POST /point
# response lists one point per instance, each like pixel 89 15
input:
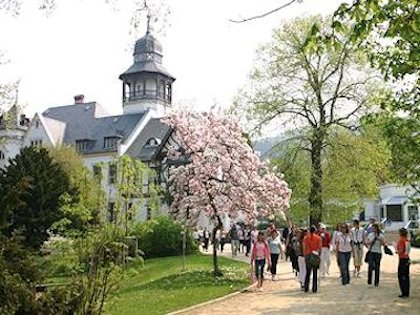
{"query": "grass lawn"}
pixel 160 286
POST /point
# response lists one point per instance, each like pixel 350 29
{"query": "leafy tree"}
pixel 19 273
pixel 83 205
pixel 354 164
pixel 403 138
pixel 218 174
pixel 31 187
pixel 317 90
pixel 134 187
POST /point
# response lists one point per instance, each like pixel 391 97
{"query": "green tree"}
pixel 31 187
pixel 83 205
pixel 134 185
pixel 354 165
pixel 317 90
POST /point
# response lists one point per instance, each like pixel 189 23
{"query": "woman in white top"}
pixel 375 240
pixel 344 250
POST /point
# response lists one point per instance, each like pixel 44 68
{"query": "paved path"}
pixel 284 296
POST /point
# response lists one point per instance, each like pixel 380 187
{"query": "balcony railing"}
pixel 146 94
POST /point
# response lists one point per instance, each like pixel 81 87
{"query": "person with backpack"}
pixel 259 257
pixel 344 250
pixel 311 245
pixel 403 251
pixel 374 241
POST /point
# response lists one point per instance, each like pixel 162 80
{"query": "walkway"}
pixel 284 296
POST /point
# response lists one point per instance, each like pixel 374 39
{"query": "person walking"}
pixel 234 240
pixel 358 239
pixel 275 251
pixel 259 257
pixel 206 235
pixel 301 258
pixel 222 239
pixel 403 250
pixel 312 245
pixel 334 242
pixel 344 250
pixel 375 241
pixel 247 240
pixel 325 250
pixel 241 237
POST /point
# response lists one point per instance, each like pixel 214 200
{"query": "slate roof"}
pixel 146 66
pixel 82 123
pixel 154 129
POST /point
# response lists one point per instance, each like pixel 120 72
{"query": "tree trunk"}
pixel 315 196
pixel 217 227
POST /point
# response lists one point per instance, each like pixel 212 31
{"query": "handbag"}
pixel 314 260
pixel 368 255
pixel 388 251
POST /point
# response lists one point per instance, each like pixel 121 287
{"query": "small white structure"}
pixel 395 206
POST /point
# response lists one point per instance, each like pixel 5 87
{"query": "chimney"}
pixel 79 99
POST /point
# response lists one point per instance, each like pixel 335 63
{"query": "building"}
pixel 97 136
pixel 396 207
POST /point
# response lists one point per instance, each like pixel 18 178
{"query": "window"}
pixel 2 156
pixel 152 142
pixel 110 142
pixel 111 212
pixel 112 178
pixel 37 124
pixel 36 143
pixel 394 212
pixel 149 213
pixel 82 145
pixel 97 172
pixel 413 213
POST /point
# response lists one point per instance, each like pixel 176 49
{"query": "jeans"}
pixel 374 264
pixel 248 247
pixel 344 259
pixel 404 276
pixel 235 247
pixel 259 268
pixel 274 259
pixel 309 269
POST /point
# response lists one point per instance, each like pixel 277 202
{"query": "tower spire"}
pixel 148 23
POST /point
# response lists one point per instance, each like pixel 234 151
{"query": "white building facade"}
pixel 396 207
pixel 97 136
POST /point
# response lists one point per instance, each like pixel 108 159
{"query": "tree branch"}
pixel 242 20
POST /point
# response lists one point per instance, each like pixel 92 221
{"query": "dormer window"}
pixel 152 142
pixel 37 124
pixel 36 143
pixel 110 142
pixel 82 145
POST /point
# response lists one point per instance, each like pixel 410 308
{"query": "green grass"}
pixel 160 286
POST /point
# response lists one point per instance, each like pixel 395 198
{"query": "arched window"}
pixel 152 142
pixel 2 156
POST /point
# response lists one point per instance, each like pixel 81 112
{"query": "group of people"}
pixel 310 251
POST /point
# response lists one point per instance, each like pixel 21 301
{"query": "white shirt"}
pixel 357 235
pixel 343 242
pixel 375 247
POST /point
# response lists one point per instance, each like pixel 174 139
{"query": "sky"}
pixel 84 45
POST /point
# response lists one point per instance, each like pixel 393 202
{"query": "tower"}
pixel 147 84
